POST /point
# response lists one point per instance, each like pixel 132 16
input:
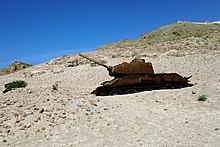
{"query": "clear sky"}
pixel 35 31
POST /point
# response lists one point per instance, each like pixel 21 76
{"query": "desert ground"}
pixel 37 115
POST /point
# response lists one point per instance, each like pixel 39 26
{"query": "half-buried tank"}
pixel 137 76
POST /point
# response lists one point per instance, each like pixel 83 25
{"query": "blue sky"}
pixel 34 31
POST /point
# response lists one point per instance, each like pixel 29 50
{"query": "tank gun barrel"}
pixel 97 62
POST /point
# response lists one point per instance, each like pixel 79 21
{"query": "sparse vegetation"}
pixel 16 66
pixel 173 32
pixel 202 97
pixel 15 84
pixel 55 86
pixel 114 56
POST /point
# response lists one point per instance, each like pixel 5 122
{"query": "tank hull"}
pixel 139 83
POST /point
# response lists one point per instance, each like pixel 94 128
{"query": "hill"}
pixel 173 32
pixel 14 67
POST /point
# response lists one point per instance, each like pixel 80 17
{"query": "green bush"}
pixel 15 84
pixel 202 97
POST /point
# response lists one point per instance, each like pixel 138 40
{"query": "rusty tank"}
pixel 137 76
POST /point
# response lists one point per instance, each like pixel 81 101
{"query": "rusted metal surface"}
pixel 132 68
pixel 136 66
pixel 97 62
pixel 137 76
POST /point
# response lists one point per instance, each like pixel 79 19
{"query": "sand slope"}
pixel 71 116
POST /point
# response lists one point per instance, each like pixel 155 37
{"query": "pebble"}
pixel 36 108
pixel 93 102
pixel 17 121
pixel 62 116
pixel 25 127
pixel 37 130
pixel 37 119
pixel 48 114
pixel 20 106
pixel 27 114
pixel 1 115
pixel 52 125
pixel 41 110
pixel 193 92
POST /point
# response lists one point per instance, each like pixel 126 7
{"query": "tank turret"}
pixel 136 66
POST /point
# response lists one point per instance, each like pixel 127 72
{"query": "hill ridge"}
pixel 172 32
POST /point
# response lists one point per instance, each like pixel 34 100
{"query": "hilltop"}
pixel 172 33
pixel 14 67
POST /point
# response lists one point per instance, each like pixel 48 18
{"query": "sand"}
pixel 70 116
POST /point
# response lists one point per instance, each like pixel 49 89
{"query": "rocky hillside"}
pixel 208 32
pixel 16 66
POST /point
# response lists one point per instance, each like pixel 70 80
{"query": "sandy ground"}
pixel 71 116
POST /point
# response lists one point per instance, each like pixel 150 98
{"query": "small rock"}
pixel 52 125
pixel 19 106
pixel 1 115
pixel 93 102
pixel 216 129
pixel 37 119
pixel 92 110
pixel 48 114
pixel 17 121
pixel 4 140
pixel 22 128
pixel 193 92
pixel 78 105
pixel 41 110
pixel 37 130
pixel 27 114
pixel 43 128
pixel 62 116
pixel 27 126
pixel 36 108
